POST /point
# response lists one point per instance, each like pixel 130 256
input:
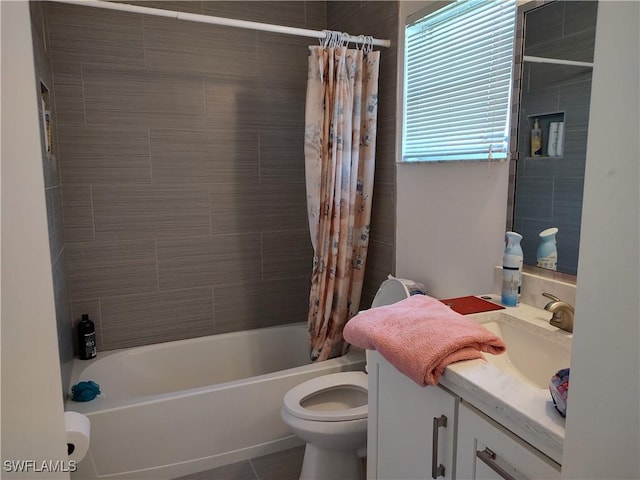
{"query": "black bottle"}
pixel 86 338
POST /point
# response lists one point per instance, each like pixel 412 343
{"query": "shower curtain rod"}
pixel 228 22
pixel 556 61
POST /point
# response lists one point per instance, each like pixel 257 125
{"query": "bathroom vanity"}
pixel 492 419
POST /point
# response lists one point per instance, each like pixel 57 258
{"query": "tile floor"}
pixel 285 465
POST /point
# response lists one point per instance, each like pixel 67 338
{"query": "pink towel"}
pixel 420 336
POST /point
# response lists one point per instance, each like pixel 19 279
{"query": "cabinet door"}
pixel 487 451
pixel 405 426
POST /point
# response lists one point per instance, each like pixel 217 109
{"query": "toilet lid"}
pixel 294 398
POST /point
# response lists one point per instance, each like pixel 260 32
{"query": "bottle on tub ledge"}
pixel 86 338
pixel 512 261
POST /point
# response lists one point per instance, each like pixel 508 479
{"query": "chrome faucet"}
pixel 562 313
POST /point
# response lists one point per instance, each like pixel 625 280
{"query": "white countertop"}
pixel 520 407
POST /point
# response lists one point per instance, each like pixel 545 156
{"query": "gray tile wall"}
pixel 53 195
pixel 379 19
pixel 548 190
pixel 182 168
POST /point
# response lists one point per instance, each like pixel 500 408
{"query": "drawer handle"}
pixel 437 470
pixel 489 458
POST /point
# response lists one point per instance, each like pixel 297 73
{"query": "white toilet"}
pixel 330 412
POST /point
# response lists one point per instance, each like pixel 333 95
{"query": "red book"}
pixel 471 304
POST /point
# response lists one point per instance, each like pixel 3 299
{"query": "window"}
pixel 458 82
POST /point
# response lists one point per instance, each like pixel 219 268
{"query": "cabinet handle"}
pixel 489 458
pixel 437 470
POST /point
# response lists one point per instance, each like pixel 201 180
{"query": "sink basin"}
pixel 535 352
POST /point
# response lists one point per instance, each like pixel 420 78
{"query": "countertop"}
pixel 520 407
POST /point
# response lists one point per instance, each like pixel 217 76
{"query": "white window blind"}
pixel 458 82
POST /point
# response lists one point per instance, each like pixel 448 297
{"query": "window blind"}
pixel 458 63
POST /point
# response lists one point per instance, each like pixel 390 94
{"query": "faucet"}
pixel 562 313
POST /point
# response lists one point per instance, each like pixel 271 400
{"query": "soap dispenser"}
pixel 512 261
pixel 547 254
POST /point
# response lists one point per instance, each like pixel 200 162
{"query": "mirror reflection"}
pixel 554 56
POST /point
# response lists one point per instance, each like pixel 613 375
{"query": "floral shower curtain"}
pixel 340 143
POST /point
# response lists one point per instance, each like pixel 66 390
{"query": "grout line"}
pixel 253 467
pixel 256 40
pixel 44 18
pixel 155 249
pixel 259 157
pixel 553 196
pixel 262 256
pixel 55 260
pixel 101 325
pixel 305 20
pixel 144 41
pixel 84 95
pixel 93 215
pixel 150 159
pixel 204 99
pixel 209 206
pixel 213 307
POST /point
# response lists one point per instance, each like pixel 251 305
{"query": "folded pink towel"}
pixel 420 336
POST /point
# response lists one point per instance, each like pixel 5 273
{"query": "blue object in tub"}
pixel 85 391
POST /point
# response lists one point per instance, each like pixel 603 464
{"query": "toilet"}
pixel 330 412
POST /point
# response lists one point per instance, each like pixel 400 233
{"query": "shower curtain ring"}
pixel 369 45
pixel 328 35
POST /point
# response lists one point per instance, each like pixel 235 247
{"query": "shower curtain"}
pixel 340 143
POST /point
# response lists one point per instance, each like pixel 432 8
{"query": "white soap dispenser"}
pixel 547 253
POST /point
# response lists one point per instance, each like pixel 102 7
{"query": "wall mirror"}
pixel 549 122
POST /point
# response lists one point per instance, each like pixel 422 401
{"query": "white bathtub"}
pixel 181 407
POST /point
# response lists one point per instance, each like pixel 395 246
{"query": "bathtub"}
pixel 176 408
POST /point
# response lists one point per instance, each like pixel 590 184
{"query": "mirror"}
pixel 549 122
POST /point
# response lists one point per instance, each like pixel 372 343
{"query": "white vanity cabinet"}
pixel 407 421
pixel 404 421
pixel 486 450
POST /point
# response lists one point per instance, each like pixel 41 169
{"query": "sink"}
pixel 535 350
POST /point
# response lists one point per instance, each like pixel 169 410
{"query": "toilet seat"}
pixel 335 381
